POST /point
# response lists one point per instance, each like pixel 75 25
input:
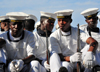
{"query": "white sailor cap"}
pixel 30 16
pixel 37 24
pixel 64 13
pixel 17 16
pixel 4 18
pixel 48 15
pixel 99 17
pixel 90 12
pixel 57 26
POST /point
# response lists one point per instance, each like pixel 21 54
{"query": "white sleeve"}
pixel 84 36
pixel 54 45
pixel 1 36
pixel 31 45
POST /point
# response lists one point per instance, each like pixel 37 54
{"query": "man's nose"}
pixel 61 22
pixel 52 24
pixel 16 26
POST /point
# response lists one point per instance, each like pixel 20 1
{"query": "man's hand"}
pixel 47 66
pixel 76 57
pixel 88 60
pixel 16 65
pixel 11 66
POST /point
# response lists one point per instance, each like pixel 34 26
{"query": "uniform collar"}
pixel 42 33
pixel 8 35
pixel 65 33
pixel 93 30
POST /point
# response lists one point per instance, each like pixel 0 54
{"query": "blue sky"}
pixel 35 6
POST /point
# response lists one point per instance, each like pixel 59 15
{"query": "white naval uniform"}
pixel 40 46
pixel 65 44
pixel 96 36
pixel 40 52
pixel 21 49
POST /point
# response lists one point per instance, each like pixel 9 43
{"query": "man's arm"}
pixel 88 57
pixel 64 58
pixel 28 59
pixel 93 44
pixel 30 48
pixel 76 57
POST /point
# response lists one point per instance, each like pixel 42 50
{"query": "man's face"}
pixel 92 22
pixel 5 26
pixel 16 28
pixel 48 24
pixel 64 23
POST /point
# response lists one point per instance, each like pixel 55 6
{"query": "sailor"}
pixel 44 29
pixel 4 21
pixel 29 22
pixel 19 44
pixel 91 19
pixel 63 43
pixel 91 28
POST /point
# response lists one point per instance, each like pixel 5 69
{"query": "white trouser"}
pixel 2 56
pixel 56 63
pixel 36 67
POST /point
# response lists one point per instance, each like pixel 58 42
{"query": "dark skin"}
pixel 29 25
pixel 28 59
pixel 5 26
pixel 64 25
pixel 92 22
pixel 48 23
pixel 17 29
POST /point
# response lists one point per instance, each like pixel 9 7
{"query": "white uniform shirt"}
pixel 2 32
pixel 95 35
pixel 40 46
pixel 20 49
pixel 67 45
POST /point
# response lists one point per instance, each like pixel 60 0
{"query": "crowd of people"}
pixel 67 49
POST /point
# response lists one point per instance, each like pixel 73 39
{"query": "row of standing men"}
pixel 24 51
